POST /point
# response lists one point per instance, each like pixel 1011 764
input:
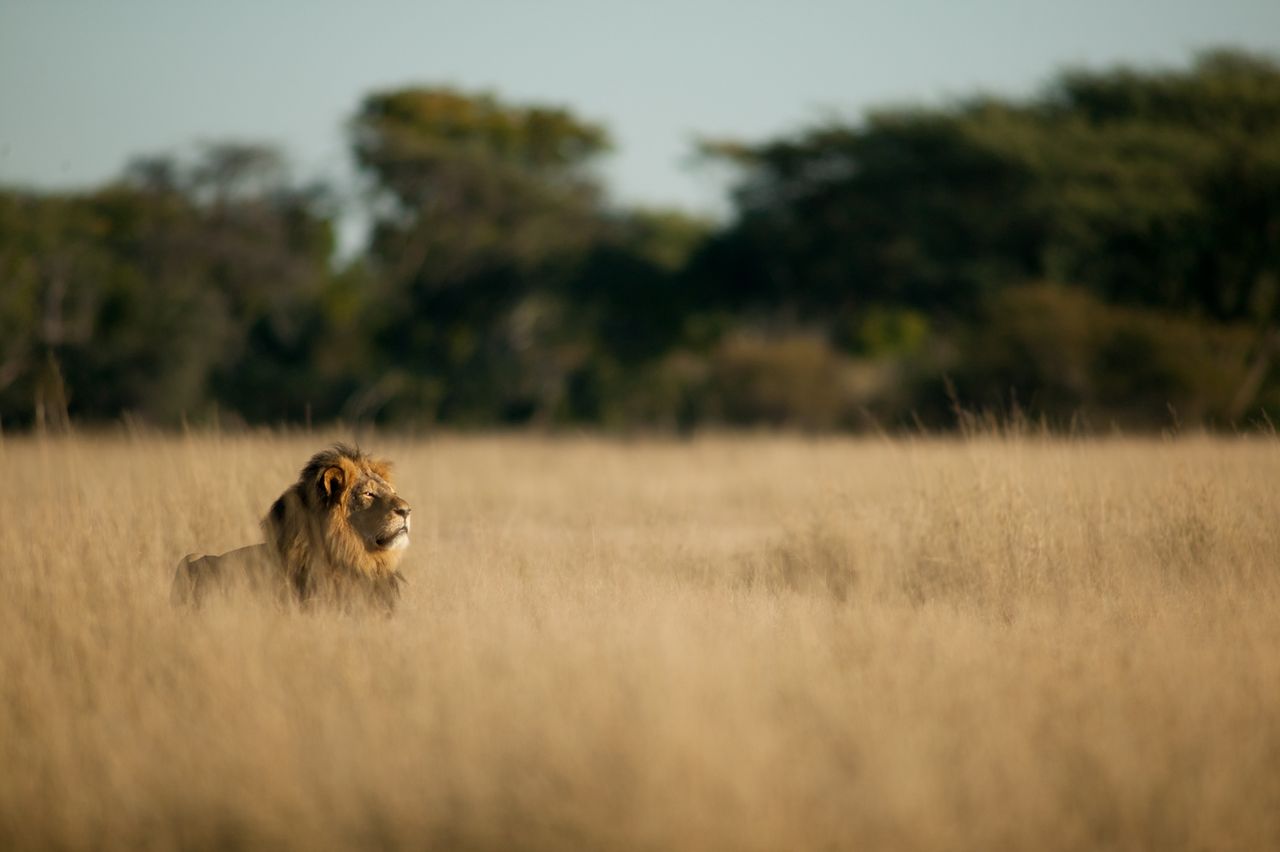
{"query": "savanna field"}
pixel 726 643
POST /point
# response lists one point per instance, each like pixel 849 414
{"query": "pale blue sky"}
pixel 85 85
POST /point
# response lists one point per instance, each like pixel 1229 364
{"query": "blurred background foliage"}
pixel 1106 253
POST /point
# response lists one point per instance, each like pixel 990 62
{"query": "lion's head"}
pixel 341 525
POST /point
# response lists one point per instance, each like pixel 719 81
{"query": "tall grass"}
pixel 732 643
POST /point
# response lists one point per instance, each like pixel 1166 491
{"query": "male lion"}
pixel 335 536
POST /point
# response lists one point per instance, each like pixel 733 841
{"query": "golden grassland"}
pixel 727 643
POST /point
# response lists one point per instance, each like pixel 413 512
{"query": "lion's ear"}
pixel 332 481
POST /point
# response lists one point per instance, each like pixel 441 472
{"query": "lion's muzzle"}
pixel 398 536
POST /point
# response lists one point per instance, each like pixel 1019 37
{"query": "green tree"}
pixel 1154 188
pixel 1151 189
pixel 180 286
pixel 482 209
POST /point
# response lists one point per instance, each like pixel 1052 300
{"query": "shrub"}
pixel 1060 353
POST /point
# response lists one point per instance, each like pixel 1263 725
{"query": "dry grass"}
pixel 734 643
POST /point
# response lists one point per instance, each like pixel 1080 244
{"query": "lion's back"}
pixel 252 568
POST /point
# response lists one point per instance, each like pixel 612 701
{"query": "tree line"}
pixel 1106 252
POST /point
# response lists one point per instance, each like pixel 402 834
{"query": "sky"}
pixel 87 84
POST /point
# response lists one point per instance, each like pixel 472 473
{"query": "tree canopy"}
pixel 1157 189
pixel 1108 249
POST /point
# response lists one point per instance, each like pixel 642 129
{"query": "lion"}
pixel 335 537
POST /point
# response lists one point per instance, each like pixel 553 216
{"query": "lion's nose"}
pixel 403 511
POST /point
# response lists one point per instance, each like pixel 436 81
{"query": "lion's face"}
pixel 341 518
pixel 377 513
pixel 359 490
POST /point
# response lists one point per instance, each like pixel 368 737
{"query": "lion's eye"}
pixel 368 495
